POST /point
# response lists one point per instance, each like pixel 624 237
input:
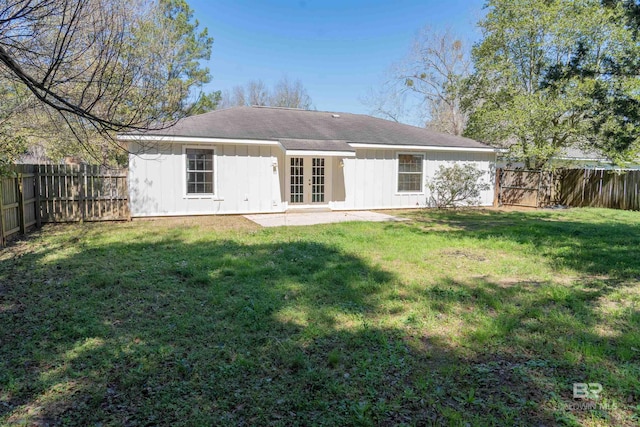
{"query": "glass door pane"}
pixel 317 180
pixel 297 180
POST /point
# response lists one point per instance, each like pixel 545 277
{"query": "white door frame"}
pixel 307 181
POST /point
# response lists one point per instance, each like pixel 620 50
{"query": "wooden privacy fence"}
pixel 599 188
pixel 569 187
pixel 520 187
pixel 82 193
pixel 36 194
pixel 18 204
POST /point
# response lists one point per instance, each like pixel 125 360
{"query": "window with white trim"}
pixel 410 176
pixel 199 171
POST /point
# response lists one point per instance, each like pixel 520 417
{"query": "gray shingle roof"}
pixel 315 144
pixel 316 127
pixel 580 154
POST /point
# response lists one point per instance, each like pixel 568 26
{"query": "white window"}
pixel 199 171
pixel 410 176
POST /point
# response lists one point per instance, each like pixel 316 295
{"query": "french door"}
pixel 307 180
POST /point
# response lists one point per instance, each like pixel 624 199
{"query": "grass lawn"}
pixel 455 318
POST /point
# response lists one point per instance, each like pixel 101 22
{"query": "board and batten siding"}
pixel 248 180
pixel 253 179
pixel 370 178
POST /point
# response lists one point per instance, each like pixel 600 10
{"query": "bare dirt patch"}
pixel 464 254
pixel 217 222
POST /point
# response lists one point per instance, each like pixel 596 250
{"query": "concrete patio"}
pixel 312 218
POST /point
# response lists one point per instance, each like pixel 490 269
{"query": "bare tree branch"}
pixel 103 66
pixel 425 83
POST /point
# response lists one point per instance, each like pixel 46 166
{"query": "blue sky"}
pixel 338 49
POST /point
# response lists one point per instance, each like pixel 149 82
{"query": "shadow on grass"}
pixel 285 333
pixel 537 342
pixel 172 332
pixel 599 245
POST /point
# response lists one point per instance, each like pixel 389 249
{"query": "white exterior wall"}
pixel 370 178
pixel 245 180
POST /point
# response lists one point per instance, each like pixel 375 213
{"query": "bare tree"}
pixel 284 94
pixel 236 97
pixel 101 66
pixel 254 93
pixel 225 99
pixel 427 81
pixel 291 95
pixel 388 103
pixel 257 93
pixel 239 96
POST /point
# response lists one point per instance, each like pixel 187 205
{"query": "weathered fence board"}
pixel 61 193
pixel 83 193
pixel 10 206
pixel 529 188
pixel 570 187
pixel 17 203
pixel 600 188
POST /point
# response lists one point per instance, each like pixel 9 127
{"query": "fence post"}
pixel 552 189
pixel 496 189
pixel 539 189
pixel 81 198
pixel 583 192
pixel 21 203
pixel 36 178
pixel 2 240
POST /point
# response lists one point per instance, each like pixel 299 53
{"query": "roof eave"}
pixel 320 153
pixel 194 139
pixel 274 142
pixel 425 147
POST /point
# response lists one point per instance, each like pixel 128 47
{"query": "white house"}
pixel 572 157
pixel 262 159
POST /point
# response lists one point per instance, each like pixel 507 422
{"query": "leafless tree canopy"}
pixel 284 94
pixel 290 94
pixel 426 82
pixel 72 56
pixel 100 66
pixel 257 93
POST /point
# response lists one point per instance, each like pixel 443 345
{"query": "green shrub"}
pixel 456 185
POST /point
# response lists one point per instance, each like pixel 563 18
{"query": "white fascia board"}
pixel 423 148
pixel 320 153
pixel 195 139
